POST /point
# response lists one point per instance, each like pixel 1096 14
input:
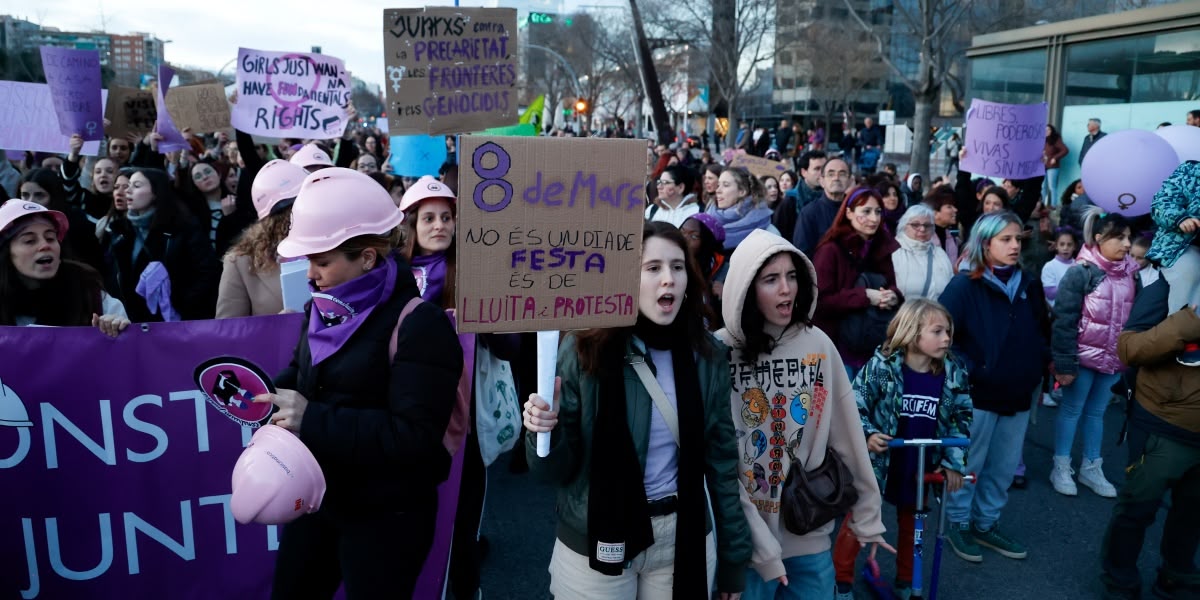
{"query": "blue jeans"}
pixel 996 443
pixel 1086 397
pixel 1049 186
pixel 809 576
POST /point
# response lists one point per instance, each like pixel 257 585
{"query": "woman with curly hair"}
pixel 250 280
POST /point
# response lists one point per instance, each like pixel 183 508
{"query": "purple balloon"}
pixel 1124 170
pixel 1185 139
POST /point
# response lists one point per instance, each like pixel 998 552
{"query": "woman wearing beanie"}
pixel 374 420
pixel 792 405
pixel 250 282
pixel 641 437
pixel 38 287
pixel 705 238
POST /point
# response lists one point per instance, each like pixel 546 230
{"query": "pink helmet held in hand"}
pixel 425 188
pixel 276 187
pixel 276 479
pixel 311 155
pixel 334 205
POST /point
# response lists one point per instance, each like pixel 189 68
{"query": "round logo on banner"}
pixel 230 385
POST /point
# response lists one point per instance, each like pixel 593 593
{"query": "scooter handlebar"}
pixel 950 442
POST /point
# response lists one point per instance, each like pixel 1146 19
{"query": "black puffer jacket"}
pixel 376 429
pixel 188 257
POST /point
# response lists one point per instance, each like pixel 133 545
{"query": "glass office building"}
pixel 1131 70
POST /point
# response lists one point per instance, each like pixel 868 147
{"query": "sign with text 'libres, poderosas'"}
pixel 450 70
pixel 549 233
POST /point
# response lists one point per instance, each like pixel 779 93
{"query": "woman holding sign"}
pixel 373 416
pixel 641 436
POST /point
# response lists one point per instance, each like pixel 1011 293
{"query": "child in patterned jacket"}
pixel 1176 246
pixel 911 388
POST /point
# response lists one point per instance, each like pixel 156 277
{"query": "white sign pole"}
pixel 547 356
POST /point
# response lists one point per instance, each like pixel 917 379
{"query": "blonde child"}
pixel 913 387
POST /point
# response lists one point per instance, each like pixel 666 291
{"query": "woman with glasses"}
pixel 676 200
pixel 856 282
pixel 922 268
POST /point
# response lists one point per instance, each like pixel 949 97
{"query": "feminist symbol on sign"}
pixel 91 127
pixel 294 104
pixel 396 74
pixel 1123 204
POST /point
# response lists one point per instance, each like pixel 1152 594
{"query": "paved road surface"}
pixel 1063 534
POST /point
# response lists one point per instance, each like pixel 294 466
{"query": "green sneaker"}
pixel 963 543
pixel 999 542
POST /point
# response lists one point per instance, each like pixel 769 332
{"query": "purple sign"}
pixel 164 125
pixel 74 78
pixel 291 94
pixel 117 468
pixel 1005 140
pixel 28 122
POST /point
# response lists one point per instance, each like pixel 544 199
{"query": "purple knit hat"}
pixel 712 224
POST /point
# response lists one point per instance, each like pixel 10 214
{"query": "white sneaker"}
pixel 1048 400
pixel 1060 476
pixel 1091 475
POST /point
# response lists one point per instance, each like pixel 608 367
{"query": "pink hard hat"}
pixel 276 479
pixel 311 155
pixel 15 210
pixel 334 205
pixel 276 186
pixel 425 188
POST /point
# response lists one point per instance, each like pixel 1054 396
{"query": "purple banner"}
pixel 165 125
pixel 1005 140
pixel 74 78
pixel 117 469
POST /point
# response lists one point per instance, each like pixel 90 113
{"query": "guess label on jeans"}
pixel 610 553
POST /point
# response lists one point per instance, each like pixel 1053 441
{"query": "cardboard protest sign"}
pixel 28 122
pixel 758 166
pixel 291 94
pixel 129 111
pixel 74 79
pixel 202 107
pixel 547 241
pixel 1005 140
pixel 450 70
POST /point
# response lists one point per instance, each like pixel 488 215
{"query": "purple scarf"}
pixel 339 311
pixel 430 272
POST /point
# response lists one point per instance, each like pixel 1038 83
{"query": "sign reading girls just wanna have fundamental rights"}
pixel 546 241
pixel 291 94
pixel 450 70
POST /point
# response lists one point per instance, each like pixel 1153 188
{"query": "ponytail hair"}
pixel 1096 222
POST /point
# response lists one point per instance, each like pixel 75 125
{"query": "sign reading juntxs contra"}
pixel 450 70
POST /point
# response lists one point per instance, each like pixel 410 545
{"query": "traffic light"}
pixel 581 106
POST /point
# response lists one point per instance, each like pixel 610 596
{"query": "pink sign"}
pixel 28 122
pixel 291 94
pixel 74 79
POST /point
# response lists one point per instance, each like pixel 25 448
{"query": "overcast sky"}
pixel 207 33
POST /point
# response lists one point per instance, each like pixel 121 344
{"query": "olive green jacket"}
pixel 569 461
